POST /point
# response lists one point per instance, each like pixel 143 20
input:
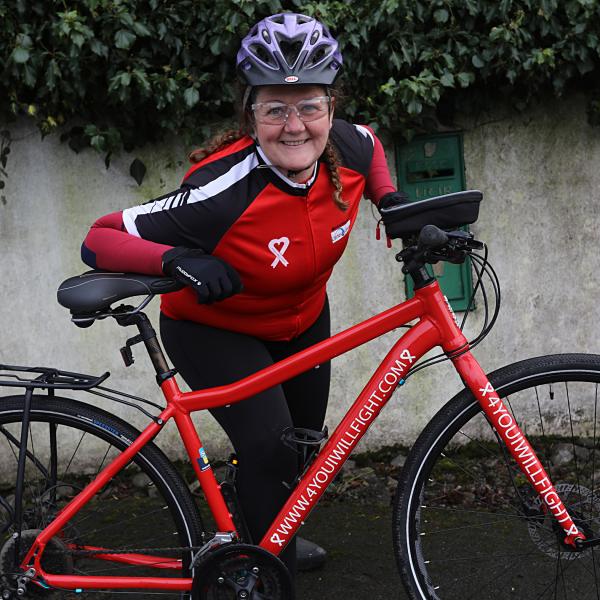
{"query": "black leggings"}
pixel 206 357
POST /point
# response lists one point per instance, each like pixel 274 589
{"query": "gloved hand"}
pixel 389 200
pixel 392 199
pixel 209 276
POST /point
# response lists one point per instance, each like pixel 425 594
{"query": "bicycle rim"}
pixel 467 524
pixel 146 508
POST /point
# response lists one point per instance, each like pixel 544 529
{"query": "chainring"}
pixel 241 571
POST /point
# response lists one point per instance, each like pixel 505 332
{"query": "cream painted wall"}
pixel 538 171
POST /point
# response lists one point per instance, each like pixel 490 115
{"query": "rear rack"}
pixel 47 378
pixel 51 379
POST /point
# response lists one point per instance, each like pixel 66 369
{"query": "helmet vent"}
pixel 261 53
pixel 288 47
pixel 317 56
pixel 290 51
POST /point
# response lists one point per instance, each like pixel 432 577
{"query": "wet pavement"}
pixel 360 564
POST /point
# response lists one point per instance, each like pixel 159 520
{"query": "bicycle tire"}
pixel 467 524
pixel 146 505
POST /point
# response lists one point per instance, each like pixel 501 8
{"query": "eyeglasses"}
pixel 277 113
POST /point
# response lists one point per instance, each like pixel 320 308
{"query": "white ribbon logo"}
pixel 278 248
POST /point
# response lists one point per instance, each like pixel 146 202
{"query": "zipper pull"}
pixel 389 241
pixel 378 231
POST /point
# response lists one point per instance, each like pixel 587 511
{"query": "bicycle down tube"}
pixel 436 327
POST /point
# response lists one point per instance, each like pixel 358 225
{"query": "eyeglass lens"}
pixel 278 112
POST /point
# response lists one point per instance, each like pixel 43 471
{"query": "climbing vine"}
pixel 117 74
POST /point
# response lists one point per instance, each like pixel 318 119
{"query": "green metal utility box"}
pixel 430 166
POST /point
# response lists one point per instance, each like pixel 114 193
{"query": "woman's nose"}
pixel 293 122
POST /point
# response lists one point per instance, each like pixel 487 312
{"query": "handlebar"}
pixel 434 245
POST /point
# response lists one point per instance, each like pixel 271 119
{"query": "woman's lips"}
pixel 293 143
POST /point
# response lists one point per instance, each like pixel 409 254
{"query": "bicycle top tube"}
pixel 429 304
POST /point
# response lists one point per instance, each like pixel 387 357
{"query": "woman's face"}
pixel 294 145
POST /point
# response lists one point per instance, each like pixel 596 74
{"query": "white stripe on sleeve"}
pixel 218 185
pixel 366 132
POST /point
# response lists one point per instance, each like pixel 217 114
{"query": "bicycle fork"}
pixel 519 447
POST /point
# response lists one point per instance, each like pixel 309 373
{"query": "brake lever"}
pixel 464 239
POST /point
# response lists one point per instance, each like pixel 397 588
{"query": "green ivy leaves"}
pixel 23 44
pixel 128 72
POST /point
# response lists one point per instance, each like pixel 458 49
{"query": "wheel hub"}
pixel 549 537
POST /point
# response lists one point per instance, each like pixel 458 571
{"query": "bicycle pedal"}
pixel 300 436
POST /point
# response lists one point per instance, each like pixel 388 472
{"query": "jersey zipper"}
pixel 312 253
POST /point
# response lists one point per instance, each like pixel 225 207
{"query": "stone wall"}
pixel 537 170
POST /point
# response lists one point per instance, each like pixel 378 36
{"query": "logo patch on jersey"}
pixel 278 246
pixel 339 232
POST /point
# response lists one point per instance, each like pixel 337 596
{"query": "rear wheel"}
pixel 467 524
pixel 146 508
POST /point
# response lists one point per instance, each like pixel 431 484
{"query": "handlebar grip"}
pixel 432 237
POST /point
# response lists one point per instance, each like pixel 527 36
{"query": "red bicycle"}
pixel 498 497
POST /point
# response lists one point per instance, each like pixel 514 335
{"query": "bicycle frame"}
pixel 436 326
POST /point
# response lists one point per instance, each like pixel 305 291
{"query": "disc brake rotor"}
pixel 583 506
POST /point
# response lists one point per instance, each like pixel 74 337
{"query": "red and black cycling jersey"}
pixel 282 237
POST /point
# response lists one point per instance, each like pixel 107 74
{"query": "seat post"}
pixel 150 339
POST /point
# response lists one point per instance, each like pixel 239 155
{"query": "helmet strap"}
pixel 246 97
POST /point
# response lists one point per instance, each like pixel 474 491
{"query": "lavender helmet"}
pixel 289 48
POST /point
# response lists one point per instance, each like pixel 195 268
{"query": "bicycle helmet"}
pixel 289 48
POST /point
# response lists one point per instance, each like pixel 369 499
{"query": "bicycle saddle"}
pixel 95 291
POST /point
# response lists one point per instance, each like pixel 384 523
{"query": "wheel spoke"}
pixel 53 466
pixel 72 458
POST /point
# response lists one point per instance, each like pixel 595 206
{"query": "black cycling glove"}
pixel 209 276
pixel 389 200
pixel 392 199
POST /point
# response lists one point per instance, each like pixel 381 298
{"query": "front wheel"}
pixel 467 523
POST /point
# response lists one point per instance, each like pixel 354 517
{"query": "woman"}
pixel 254 232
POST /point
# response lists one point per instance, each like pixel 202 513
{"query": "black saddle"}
pixel 94 291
